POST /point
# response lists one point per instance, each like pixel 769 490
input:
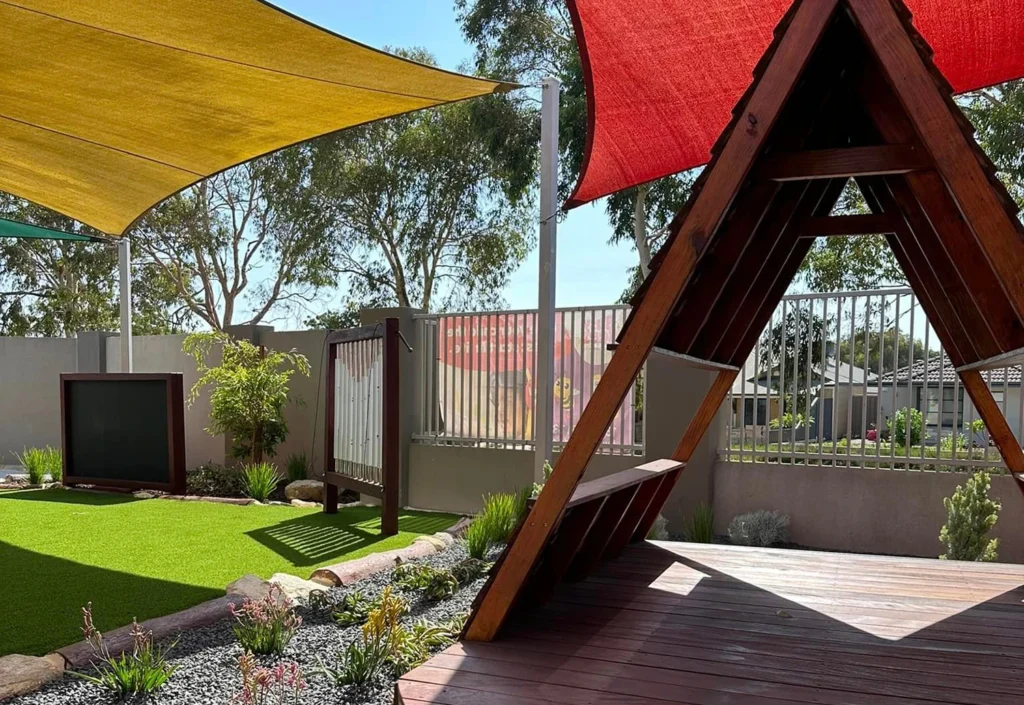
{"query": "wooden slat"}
pixel 604 486
pixel 631 519
pixel 601 531
pixel 564 547
pixel 942 136
pixel 845 162
pixel 654 508
pixel 873 224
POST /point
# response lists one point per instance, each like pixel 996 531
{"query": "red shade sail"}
pixel 664 75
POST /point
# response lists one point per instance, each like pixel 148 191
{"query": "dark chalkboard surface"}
pixel 124 430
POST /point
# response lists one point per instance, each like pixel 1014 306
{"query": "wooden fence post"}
pixel 391 436
pixel 330 490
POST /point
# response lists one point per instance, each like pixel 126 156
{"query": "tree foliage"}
pixel 58 288
pixel 250 389
pixel 237 246
pixel 970 515
pixel 427 209
pixel 528 40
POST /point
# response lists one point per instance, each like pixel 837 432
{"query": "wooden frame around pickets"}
pixel 391 459
pixel 867 104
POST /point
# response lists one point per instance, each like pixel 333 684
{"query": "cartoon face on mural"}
pixel 563 392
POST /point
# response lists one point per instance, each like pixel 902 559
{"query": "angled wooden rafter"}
pixel 865 104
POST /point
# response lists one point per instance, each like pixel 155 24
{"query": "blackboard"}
pixel 123 430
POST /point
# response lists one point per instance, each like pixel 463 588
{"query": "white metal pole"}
pixel 124 262
pixel 545 333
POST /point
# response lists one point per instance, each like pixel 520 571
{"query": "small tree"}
pixel 971 515
pixel 898 427
pixel 250 388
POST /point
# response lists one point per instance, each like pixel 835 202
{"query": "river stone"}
pixel 306 490
pixel 25 674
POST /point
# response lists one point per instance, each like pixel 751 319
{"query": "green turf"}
pixel 145 558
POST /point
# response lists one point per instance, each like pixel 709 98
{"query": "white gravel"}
pixel 207 658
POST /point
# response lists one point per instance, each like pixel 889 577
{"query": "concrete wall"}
pixel 304 412
pixel 859 509
pixel 162 353
pixel 30 391
pixel 454 478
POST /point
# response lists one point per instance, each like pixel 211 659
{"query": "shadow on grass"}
pixel 43 597
pixel 314 539
pixel 68 496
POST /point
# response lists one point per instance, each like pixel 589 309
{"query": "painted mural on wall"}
pixel 487 363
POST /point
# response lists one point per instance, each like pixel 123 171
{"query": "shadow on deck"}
pixel 722 625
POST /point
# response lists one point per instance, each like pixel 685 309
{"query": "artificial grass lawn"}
pixel 60 549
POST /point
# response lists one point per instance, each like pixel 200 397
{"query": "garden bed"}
pixel 207 659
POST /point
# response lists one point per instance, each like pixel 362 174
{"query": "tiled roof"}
pixel 935 368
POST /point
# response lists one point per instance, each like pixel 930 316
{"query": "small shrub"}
pixel 478 537
pixel 971 514
pixel 538 486
pixel 470 569
pixel 761 528
pixel 259 480
pixel 142 670
pixel 214 480
pixel 786 421
pixel 413 646
pixel 363 660
pixel 947 442
pixel 701 527
pixel 40 462
pixel 266 626
pixel 298 467
pixel 353 609
pixel 504 512
pixel 898 426
pixel 659 529
pixel 281 685
pixel 436 584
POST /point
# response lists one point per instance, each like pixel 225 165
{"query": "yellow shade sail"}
pixel 107 107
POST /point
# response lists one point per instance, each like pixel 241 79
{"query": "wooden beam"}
pixel 873 224
pixel 932 115
pixel 845 162
pixel 998 428
pixel 731 168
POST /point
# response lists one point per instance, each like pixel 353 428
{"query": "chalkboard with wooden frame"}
pixel 124 431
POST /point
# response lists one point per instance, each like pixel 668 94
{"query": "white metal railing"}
pixel 835 377
pixel 477 381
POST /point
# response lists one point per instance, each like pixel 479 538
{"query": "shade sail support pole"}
pixel 545 330
pixel 124 268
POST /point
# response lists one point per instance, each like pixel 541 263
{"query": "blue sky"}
pixel 590 271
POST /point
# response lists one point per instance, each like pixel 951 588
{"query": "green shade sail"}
pixel 12 228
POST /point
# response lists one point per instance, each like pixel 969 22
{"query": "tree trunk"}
pixel 643 247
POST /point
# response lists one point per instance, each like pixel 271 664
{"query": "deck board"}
pixel 701 624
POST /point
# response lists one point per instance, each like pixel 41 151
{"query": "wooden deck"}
pixel 722 625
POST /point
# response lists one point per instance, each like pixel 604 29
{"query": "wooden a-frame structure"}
pixel 847 90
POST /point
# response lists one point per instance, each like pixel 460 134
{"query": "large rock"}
pixel 24 674
pixel 295 587
pixel 306 490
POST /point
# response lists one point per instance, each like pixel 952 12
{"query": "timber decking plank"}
pixel 703 624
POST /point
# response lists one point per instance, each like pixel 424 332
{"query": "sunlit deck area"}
pixel 714 625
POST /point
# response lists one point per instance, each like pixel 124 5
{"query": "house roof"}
pixel 941 368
